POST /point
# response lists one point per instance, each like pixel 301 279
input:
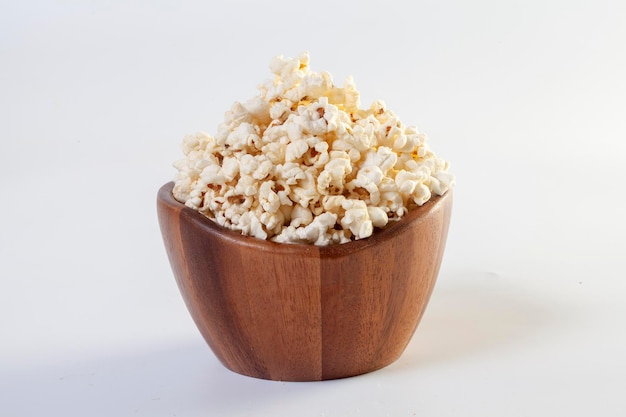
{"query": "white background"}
pixel 527 99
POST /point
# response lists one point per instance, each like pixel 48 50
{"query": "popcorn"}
pixel 302 163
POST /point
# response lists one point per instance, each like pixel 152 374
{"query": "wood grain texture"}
pixel 302 312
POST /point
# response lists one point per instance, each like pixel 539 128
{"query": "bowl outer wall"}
pixel 302 312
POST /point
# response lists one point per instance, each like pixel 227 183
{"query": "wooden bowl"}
pixel 297 312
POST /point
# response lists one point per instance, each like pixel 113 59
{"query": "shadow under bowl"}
pixel 296 312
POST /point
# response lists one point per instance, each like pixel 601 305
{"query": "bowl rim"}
pixel 166 198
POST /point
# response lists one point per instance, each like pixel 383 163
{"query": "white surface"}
pixel 527 99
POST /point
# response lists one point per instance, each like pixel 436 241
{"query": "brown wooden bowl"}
pixel 297 312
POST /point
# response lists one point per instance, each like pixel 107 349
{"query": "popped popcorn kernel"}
pixel 301 162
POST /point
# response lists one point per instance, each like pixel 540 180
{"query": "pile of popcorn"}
pixel 302 163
